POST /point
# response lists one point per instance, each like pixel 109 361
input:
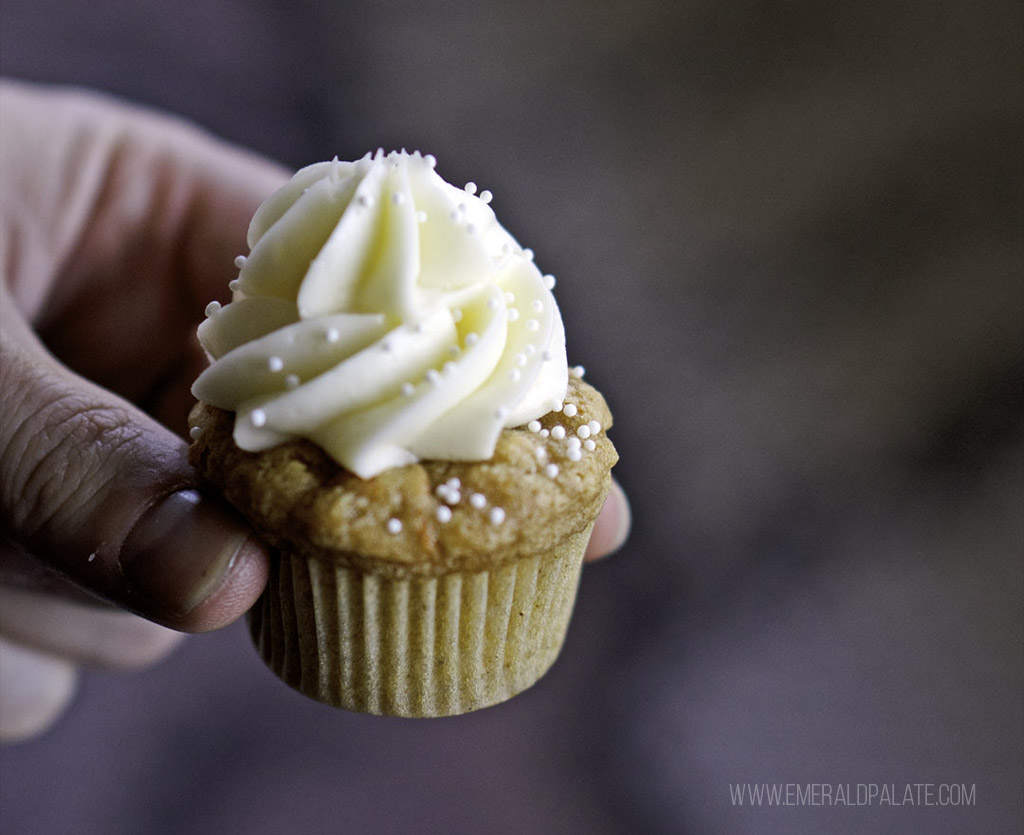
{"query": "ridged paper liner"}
pixel 419 646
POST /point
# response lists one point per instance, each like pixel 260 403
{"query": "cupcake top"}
pixel 385 316
pixel 546 481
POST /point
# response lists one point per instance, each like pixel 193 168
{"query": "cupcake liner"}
pixel 416 646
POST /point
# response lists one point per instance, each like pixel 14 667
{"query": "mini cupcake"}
pixel 389 405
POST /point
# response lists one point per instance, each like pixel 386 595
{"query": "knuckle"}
pixel 55 459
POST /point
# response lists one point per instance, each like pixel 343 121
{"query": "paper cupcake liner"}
pixel 421 646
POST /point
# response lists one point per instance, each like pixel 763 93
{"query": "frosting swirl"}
pixel 385 315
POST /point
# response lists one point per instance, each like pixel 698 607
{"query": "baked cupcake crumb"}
pixel 427 518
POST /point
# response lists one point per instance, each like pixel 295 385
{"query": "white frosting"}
pixel 385 315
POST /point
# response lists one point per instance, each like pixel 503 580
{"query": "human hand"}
pixel 118 226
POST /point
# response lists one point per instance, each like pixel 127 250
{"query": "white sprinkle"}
pixel 292 381
pixel 234 284
pixel 558 432
pixel 421 216
pixel 570 410
pixel 540 453
pixel 497 516
pixel 528 254
pixel 578 371
pixel 510 298
pixel 583 431
pixel 551 470
pixel 258 418
pixel 574 454
pixel 92 556
pixel 454 350
pixel 513 314
pixel 514 375
pixel 454 483
pixel 555 405
pixel 430 160
pixel 471 228
pixel 549 282
pixel 444 514
pixel 595 427
pixel 470 188
pixel 547 356
pixel 275 364
pixel 449 367
pixel 394 525
pixel 240 261
pixel 212 308
pixel 408 389
pixel 534 426
pixel 457 315
pixel 531 349
pixel 332 334
pixel 398 198
pixel 544 433
pixel 434 377
pixel 486 196
pixel 520 359
pixel 537 305
pixel 501 413
pixel 195 432
pixel 478 500
pixel 589 445
pixel 471 338
pixel 493 304
pixel 532 325
pixel 365 200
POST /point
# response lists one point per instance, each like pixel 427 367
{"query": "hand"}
pixel 118 227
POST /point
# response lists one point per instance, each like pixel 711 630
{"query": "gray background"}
pixel 789 250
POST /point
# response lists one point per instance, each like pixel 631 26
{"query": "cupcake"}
pixel 390 407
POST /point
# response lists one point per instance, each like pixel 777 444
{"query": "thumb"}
pixel 104 494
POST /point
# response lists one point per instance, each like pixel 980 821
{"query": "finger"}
pixel 612 527
pixel 82 633
pixel 131 193
pixel 105 495
pixel 35 689
pixel 113 258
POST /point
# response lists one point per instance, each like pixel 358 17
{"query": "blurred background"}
pixel 788 238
